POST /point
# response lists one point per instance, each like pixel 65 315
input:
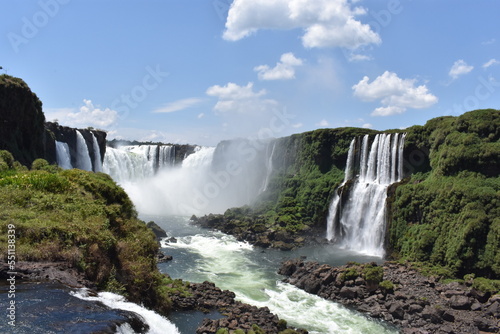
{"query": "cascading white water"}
pixel 210 180
pixel 63 156
pixel 83 160
pixel 269 165
pixel 357 222
pixel 132 163
pixel 182 190
pixel 97 155
pixel 166 156
pixel 157 324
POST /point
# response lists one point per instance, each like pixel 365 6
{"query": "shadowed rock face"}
pixel 22 129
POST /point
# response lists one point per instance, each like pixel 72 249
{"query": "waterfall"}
pixel 82 153
pixel 166 156
pixel 97 155
pixel 357 214
pixel 269 166
pixel 62 155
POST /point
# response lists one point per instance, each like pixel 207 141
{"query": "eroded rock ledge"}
pixel 402 296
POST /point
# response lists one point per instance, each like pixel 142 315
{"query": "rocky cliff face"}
pixel 22 129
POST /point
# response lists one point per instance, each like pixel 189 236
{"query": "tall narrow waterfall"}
pixel 269 165
pixel 358 210
pixel 82 153
pixel 62 155
pixel 97 155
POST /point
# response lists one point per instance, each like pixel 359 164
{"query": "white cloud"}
pixel 178 105
pixel 367 126
pixel 239 99
pixel 394 93
pixel 459 68
pixel 284 69
pixel 489 42
pixel 87 115
pixel 323 123
pixel 297 125
pixel 326 23
pixel 358 57
pixel 201 115
pixel 490 62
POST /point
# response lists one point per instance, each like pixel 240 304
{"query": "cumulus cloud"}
pixel 490 62
pixel 367 126
pixel 323 123
pixel 284 69
pixel 178 105
pixel 239 99
pixel 394 93
pixel 326 23
pixel 459 68
pixel 87 115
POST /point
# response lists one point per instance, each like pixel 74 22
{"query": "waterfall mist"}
pixel 210 180
pixel 357 215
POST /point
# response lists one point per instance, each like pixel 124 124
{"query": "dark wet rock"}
pixel 161 258
pixel 157 230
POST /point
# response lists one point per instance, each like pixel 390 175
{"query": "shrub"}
pixel 39 164
pixel 349 274
pixel 373 274
pixel 7 157
pixel 387 286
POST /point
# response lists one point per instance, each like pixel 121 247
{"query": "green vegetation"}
pixel 87 221
pixel 447 215
pixel 373 273
pixel 386 286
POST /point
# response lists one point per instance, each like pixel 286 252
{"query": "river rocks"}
pixel 254 230
pixel 206 296
pixel 415 304
pixel 157 230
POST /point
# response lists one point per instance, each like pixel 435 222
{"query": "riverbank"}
pixel 399 294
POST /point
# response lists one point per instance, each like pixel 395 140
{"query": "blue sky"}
pixel 200 71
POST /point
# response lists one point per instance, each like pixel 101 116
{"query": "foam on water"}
pixel 157 324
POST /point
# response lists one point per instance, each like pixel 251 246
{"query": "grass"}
pixel 85 219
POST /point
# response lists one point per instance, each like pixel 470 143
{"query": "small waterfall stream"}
pixel 63 155
pixel 357 217
pixel 97 155
pixel 83 160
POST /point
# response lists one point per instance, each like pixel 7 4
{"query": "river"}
pixel 250 272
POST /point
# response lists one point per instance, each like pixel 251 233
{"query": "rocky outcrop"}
pixel 206 297
pixel 254 231
pixel 401 296
pixel 22 129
